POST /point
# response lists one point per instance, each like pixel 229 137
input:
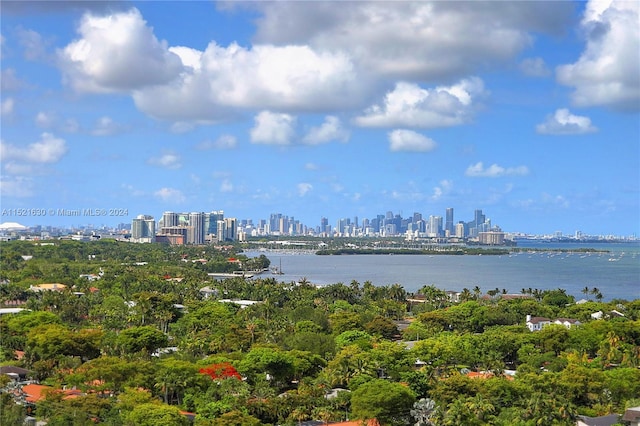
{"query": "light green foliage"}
pixel 386 401
pixel 138 339
pixel 231 418
pixel 345 321
pixel 357 337
pixel 265 360
pixel 155 415
pixel 52 341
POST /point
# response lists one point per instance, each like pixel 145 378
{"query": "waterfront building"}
pixel 494 238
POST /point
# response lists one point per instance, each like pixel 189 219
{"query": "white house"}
pixel 537 323
pixel 567 322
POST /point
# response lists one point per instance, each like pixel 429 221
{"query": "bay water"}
pixel 616 272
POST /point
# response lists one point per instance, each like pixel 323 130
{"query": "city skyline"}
pixel 527 110
pixel 419 225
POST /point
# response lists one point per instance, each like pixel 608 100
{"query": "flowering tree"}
pixel 221 371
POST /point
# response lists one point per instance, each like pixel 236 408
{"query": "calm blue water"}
pixel 616 274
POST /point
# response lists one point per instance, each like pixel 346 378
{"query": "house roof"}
pixel 632 414
pixel 35 393
pixel 370 422
pixel 536 320
pixel 10 369
pixel 485 375
pixel 50 287
pixel 609 420
pixel 569 320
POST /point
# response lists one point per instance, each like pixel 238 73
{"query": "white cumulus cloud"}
pixel 304 188
pixel 330 130
pixel 167 160
pixel 218 81
pixel 409 105
pixel 117 52
pixel 562 122
pixel 608 71
pixel 48 149
pixel 408 140
pixel 273 128
pixel 494 170
pixel 170 195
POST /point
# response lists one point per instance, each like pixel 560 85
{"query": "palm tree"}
pixel 480 407
pixel 585 290
pixel 477 292
pixel 466 295
pixel 397 293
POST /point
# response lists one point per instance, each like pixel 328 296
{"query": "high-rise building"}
pixel 143 229
pixel 479 224
pixel 448 227
pixel 434 227
pixel 324 226
pixel 227 229
pixel 479 217
pixel 169 219
pixel 211 222
pixel 196 231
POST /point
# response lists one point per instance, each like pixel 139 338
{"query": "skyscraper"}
pixel 195 234
pixel 449 221
pixel 211 222
pixel 143 229
pixel 434 227
pixel 169 219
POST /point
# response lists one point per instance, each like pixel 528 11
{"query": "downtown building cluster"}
pixel 195 228
pixel 416 226
pixel 204 228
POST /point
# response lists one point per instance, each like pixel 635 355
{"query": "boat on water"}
pixel 277 270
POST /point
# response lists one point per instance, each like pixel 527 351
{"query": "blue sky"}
pixel 526 110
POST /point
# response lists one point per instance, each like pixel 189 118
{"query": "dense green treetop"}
pixel 382 346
